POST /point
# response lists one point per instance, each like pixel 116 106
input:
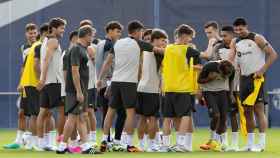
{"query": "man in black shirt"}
pixel 76 91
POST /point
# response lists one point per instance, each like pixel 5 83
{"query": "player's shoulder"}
pixel 24 46
pixel 217 43
pixel 52 41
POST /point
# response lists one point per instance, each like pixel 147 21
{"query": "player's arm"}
pixel 75 65
pixel 20 88
pixel 207 74
pixel 140 67
pixel 106 66
pixel 76 78
pixel 65 66
pixel 232 52
pixel 37 61
pixel 271 54
pixel 104 69
pixel 208 53
pixel 196 55
pixel 91 52
pixel 145 46
pixel 52 45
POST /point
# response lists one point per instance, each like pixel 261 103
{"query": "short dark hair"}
pixel 86 22
pixel 213 24
pixel 56 22
pixel 147 32
pixel 113 25
pixel 239 21
pixel 185 29
pixel 228 29
pixel 134 25
pixel 157 34
pixel 73 34
pixel 44 28
pixel 84 31
pixel 226 67
pixel 30 26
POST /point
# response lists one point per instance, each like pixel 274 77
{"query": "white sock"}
pixel 213 135
pixel 85 146
pixel 224 140
pixel 123 138
pixel 235 139
pixel 78 137
pixel 158 138
pixel 19 137
pixel 46 139
pixel 93 136
pixel 262 139
pixel 166 140
pixel 251 140
pixel 52 138
pixel 62 146
pixel 129 140
pixel 117 141
pixel 151 143
pixel 181 139
pixel 142 142
pixel 188 141
pixel 28 138
pixel 177 137
pixel 34 140
pixel 41 142
pixel 105 137
pixel 145 137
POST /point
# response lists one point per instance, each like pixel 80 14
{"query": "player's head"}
pixel 211 29
pixel 44 29
pixel 31 32
pixel 135 29
pixel 240 27
pixel 227 34
pixel 86 22
pixel 158 38
pixel 73 37
pixel 57 27
pixel 85 34
pixel 147 35
pixel 226 68
pixel 185 33
pixel 114 30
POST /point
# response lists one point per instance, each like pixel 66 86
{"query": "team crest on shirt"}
pixel 239 54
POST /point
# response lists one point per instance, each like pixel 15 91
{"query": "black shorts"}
pixel 72 105
pixel 193 102
pixel 147 104
pixel 233 107
pixel 24 105
pixel 177 105
pixel 50 96
pixel 92 98
pixel 124 94
pixel 33 97
pixel 247 87
pixel 101 100
pixel 217 102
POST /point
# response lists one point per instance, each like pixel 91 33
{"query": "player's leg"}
pixel 168 116
pixel 262 123
pixel 214 115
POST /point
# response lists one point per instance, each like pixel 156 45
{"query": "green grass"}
pixel 200 136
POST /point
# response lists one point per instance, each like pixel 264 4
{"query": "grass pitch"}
pixel 200 136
